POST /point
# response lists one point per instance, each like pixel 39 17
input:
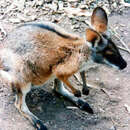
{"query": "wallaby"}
pixel 33 53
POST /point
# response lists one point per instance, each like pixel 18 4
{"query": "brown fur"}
pixel 55 57
pixel 91 36
pixel 60 52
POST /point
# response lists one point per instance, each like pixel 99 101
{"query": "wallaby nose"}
pixel 123 65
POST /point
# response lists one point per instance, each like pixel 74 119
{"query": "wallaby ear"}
pixel 99 20
pixel 92 37
pixel 95 41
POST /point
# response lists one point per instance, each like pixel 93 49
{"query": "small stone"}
pixel 117 79
pixel 114 5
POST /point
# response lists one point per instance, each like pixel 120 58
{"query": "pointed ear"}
pixel 95 41
pixel 99 20
pixel 92 37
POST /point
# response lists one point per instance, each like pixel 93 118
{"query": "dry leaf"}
pixel 33 17
pixel 14 20
pixel 77 12
pixel 19 4
pixel 39 2
pixel 60 5
pixel 11 7
pixel 21 17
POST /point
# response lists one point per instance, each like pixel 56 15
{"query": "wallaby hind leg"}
pixel 59 88
pixel 85 89
pixel 20 104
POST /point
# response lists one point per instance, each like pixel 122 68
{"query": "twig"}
pixel 114 124
pixel 3 33
pixel 71 107
pixel 122 48
pixel 87 22
pixel 122 42
pixel 104 91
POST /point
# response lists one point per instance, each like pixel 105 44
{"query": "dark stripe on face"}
pixel 112 54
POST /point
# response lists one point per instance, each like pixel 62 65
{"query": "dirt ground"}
pixel 110 112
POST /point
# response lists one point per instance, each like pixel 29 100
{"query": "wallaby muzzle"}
pixel 123 64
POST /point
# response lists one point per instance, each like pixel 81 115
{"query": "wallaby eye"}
pixel 109 52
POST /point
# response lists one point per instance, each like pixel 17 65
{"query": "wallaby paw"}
pixel 77 93
pixel 39 125
pixel 85 91
pixel 85 106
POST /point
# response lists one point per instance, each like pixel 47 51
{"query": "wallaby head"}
pixel 103 48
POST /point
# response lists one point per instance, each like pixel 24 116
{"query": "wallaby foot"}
pixel 77 93
pixel 85 90
pixel 84 106
pixel 59 88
